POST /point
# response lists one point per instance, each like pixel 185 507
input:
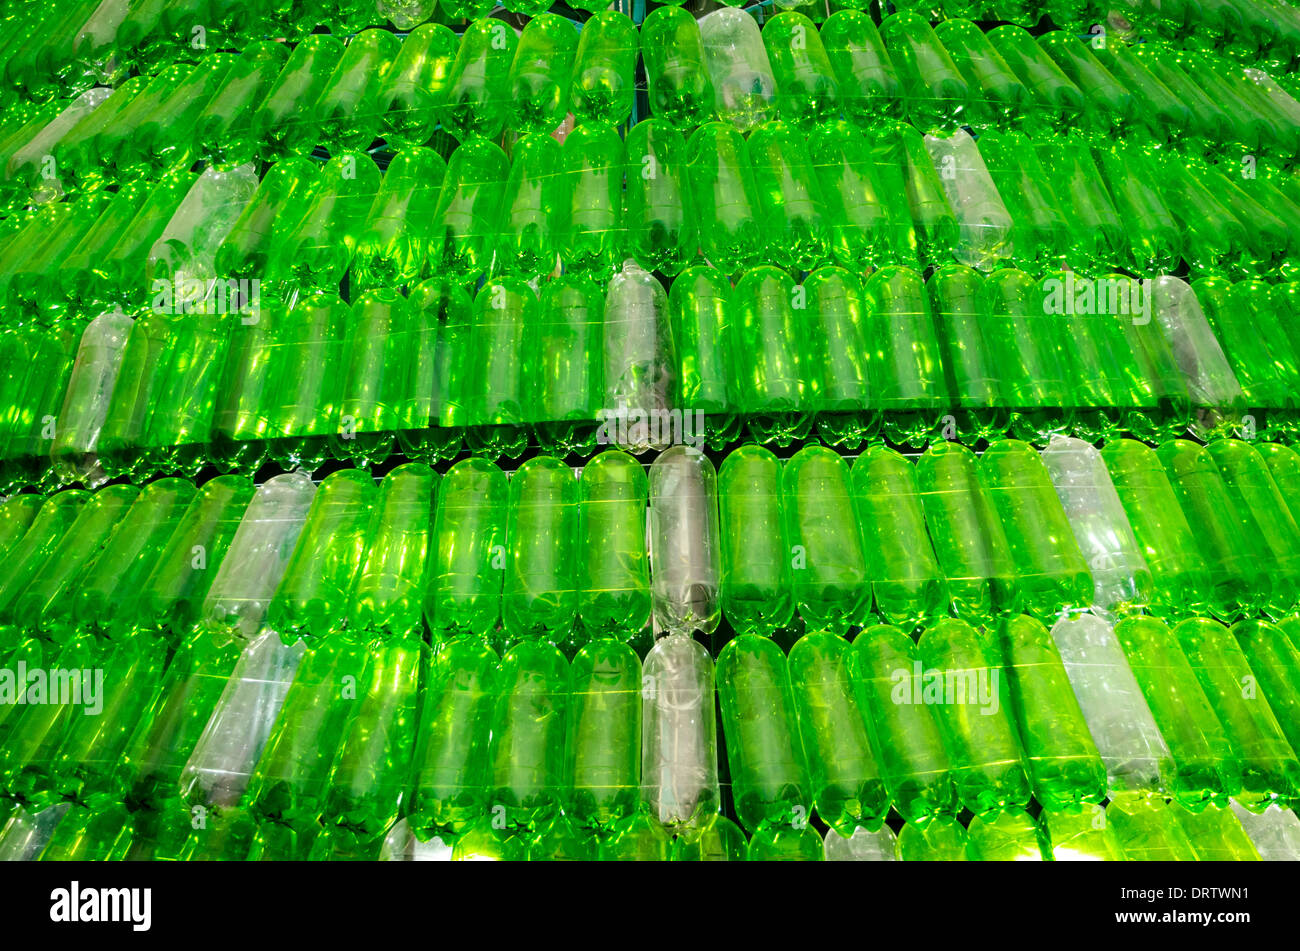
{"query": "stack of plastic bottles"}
pixel 655 431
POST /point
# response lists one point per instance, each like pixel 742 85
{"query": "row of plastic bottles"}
pixel 75 45
pixel 51 47
pixel 563 556
pixel 1264 32
pixel 954 74
pixel 215 241
pixel 65 598
pixel 1131 828
pixel 266 102
pixel 293 752
pixel 958 357
pixel 1253 32
pixel 306 578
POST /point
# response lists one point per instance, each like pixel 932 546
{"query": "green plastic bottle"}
pixel 540 73
pixel 1055 103
pixel 306 373
pixel 566 381
pixel 1147 829
pixel 769 773
pixel 108 596
pixel 171 597
pixel 1051 570
pixel 280 119
pixel 936 93
pixel 885 668
pixel 1233 559
pixel 602 89
pixel 1096 232
pixel 468 550
pixel 870 92
pixel 1258 504
pixel 933 839
pixel 937 229
pixel 793 216
pixel 679 87
pixel 725 197
pixel 988 765
pixel 1040 234
pixel 847 787
pixel 1205 767
pixel 1241 318
pixel 223 131
pixel 718 839
pixel 245 252
pixel 1109 106
pixel 289 783
pixel 29 557
pixel 638 838
pixel 773 392
pixel 540 596
pixel 391 250
pixel 387 599
pixel 1216 834
pixel 614 590
pixel 467 220
pixel 317 250
pixel 906 582
pixel 910 389
pixel 1005 836
pixel 831 582
pixel 369 780
pixel 527 778
pixel 593 161
pixel 313 596
pixel 969 541
pixel 16 516
pixel 964 326
pixel 505 316
pixel 563 840
pixel 1181 580
pixel 415 85
pixel 806 88
pixel 532 212
pixel 451 765
pixel 779 844
pixel 1275 661
pixel 1269 770
pixel 380 371
pixel 757 584
pixel 44 605
pixel 834 321
pixel 603 748
pixel 660 216
pixel 1030 347
pixel 1064 765
pixel 1080 833
pixel 1154 238
pixel 478 101
pixel 866 202
pixel 995 93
